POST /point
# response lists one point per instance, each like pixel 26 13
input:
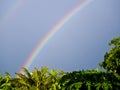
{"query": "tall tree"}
pixel 112 58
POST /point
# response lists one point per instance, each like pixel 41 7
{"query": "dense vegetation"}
pixel 45 79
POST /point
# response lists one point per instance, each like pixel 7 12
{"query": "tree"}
pixel 112 58
pixel 39 79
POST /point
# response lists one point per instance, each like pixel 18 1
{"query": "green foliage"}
pixel 40 79
pixel 112 58
pixel 46 79
pixel 90 80
pixel 6 82
pixel 58 80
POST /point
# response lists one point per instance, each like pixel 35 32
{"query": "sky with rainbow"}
pixel 66 35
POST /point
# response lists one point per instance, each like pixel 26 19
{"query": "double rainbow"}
pixel 50 34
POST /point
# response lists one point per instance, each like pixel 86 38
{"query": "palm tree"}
pixel 40 79
pixel 25 80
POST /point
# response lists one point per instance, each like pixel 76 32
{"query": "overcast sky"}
pixel 80 44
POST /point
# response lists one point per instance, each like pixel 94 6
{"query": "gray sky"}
pixel 80 44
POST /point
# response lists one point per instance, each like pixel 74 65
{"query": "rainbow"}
pixel 50 34
pixel 11 13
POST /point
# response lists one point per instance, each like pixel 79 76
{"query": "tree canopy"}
pixel 112 58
